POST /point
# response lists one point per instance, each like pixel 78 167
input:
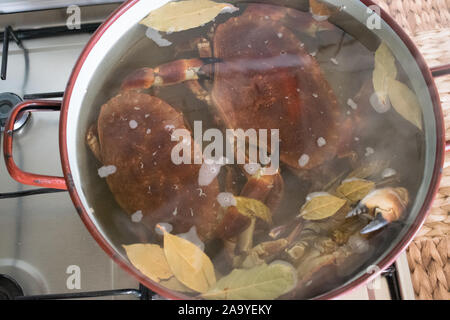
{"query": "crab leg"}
pixel 204 52
pixel 199 92
pixel 174 72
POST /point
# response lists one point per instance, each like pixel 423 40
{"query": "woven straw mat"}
pixel 428 23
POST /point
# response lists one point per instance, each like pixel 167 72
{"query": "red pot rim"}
pixel 383 264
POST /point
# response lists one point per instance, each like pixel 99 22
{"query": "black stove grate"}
pixel 142 293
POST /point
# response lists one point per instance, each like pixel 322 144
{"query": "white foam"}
pixel 105 171
pixel 388 172
pixel 377 105
pixel 137 216
pixel 352 104
pixel 169 127
pixel 321 142
pixel 303 160
pixel 133 124
pixel 156 36
pixel 369 151
pixel 313 195
pixel 229 9
pixel 226 199
pixel 163 225
pixel 252 168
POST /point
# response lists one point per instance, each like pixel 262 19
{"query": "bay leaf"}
pixel 384 70
pixel 189 264
pixel 149 259
pixel 321 207
pixel 368 169
pixel 253 208
pixel 174 284
pixel 355 189
pixel 263 282
pixel 184 15
pixel 405 102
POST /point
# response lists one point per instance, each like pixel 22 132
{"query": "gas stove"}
pixel 45 250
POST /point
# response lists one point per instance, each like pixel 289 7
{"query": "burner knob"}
pixel 7 102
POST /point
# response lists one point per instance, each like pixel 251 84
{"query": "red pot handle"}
pixel 440 71
pixel 17 174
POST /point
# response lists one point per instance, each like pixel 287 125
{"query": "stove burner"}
pixel 7 102
pixel 9 288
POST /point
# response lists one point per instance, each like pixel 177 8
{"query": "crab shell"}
pixel 267 80
pixel 134 134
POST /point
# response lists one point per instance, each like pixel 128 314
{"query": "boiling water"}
pixel 346 58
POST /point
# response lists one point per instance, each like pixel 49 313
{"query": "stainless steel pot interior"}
pixel 103 68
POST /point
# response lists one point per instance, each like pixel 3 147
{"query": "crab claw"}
pixel 385 205
pixel 377 223
pixel 360 208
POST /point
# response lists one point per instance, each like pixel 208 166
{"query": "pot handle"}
pixel 440 71
pixel 16 173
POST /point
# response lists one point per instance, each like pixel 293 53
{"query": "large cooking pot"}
pixel 83 96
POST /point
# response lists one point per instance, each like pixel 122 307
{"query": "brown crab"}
pixel 265 79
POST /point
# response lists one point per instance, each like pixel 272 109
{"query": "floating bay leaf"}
pixel 150 260
pixel 368 169
pixel 174 284
pixel 263 282
pixel 384 70
pixel 321 207
pixel 188 263
pixel 184 15
pixel 405 102
pixel 355 189
pixel 253 208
